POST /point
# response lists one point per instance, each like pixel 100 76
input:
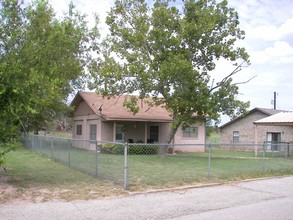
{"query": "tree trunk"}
pixel 172 134
pixel 36 130
pixel 164 149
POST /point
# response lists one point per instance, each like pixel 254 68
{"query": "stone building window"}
pixel 236 136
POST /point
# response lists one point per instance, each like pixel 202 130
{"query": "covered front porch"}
pixel 136 131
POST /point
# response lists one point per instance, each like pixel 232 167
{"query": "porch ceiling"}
pixel 136 119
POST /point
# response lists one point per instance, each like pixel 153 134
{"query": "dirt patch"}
pixel 7 192
pixel 10 193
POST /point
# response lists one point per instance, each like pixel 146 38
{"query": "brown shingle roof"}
pixel 266 111
pixel 113 109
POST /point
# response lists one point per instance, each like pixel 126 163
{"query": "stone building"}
pixel 243 130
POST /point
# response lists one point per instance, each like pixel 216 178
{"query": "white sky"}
pixel 268 25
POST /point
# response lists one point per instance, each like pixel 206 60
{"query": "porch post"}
pixel 255 140
pixel 114 131
pixel 145 132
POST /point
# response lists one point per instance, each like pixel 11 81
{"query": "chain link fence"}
pixel 139 166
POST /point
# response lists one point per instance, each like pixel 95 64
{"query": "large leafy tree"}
pixel 43 59
pixel 166 51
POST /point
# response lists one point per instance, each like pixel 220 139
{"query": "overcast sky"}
pixel 268 25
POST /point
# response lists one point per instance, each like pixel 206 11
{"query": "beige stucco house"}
pixel 249 129
pixel 107 120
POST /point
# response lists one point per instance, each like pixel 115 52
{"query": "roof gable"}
pixel 113 109
pixel 266 111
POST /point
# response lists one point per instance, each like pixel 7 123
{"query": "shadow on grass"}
pixel 34 177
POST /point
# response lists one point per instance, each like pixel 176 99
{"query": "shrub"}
pixel 113 148
pixel 118 149
pixel 132 149
pixel 142 149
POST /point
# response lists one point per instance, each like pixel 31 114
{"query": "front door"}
pixel 93 132
pixel 119 133
pixel 154 134
pixel 93 137
pixel 273 138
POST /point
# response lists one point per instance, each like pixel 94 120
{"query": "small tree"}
pixel 167 51
pixel 42 60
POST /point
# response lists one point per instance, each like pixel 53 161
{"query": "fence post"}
pixel 97 170
pixel 69 152
pixel 286 149
pixel 209 162
pixel 125 166
pixel 41 144
pixel 52 147
pixel 263 159
pixel 33 142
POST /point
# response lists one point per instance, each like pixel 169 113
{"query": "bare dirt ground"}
pixel 10 193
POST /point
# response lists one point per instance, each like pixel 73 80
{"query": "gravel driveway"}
pixel 268 199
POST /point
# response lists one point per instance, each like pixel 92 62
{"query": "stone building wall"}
pixel 247 133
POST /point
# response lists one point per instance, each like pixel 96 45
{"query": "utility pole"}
pixel 275 100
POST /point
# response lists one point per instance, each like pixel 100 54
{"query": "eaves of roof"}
pixel 113 110
pixel 265 111
pixel 281 118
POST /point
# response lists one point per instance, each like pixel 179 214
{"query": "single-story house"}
pixel 242 129
pixel 98 118
pixel 280 128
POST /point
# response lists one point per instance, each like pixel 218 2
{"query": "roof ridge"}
pixel 113 108
pixel 266 111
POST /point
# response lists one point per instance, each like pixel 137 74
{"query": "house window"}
pixel 236 136
pixel 93 132
pixel 154 134
pixel 78 129
pixel 119 133
pixel 190 132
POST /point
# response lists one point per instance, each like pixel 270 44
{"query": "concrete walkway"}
pixel 270 199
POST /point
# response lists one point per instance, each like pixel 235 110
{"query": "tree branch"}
pixel 245 81
pixel 225 79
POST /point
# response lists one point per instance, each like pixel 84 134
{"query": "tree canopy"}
pixel 42 60
pixel 167 50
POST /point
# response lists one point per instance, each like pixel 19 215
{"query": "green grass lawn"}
pixel 35 177
pixel 182 169
pixel 31 169
pixel 152 171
